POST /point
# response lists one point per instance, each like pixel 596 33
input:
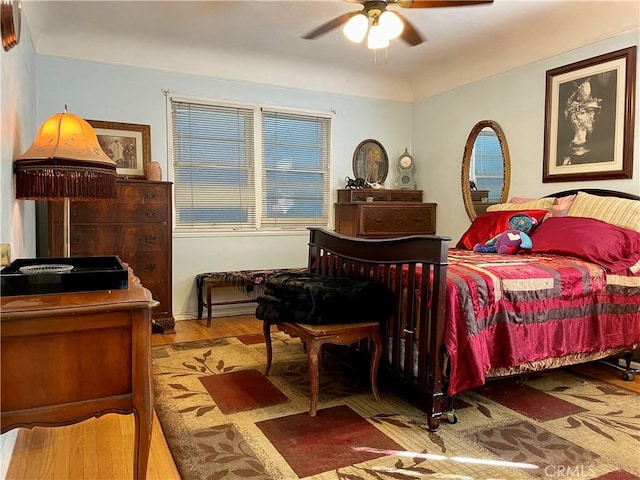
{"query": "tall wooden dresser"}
pixel 136 226
pixel 378 213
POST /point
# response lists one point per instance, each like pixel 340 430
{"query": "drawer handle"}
pixel 75 239
pixel 150 238
pixel 74 213
pixel 150 195
pixel 150 267
pixel 378 220
pixel 417 220
pixel 150 213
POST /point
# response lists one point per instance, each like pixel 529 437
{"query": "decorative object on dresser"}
pixel 406 171
pixel 136 226
pixel 370 161
pixel 381 213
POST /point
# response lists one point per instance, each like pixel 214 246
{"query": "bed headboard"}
pixel 595 191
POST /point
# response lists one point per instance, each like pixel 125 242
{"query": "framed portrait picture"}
pixel 370 162
pixel 127 144
pixel 589 118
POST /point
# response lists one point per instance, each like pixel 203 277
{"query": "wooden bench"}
pixel 315 336
pixel 250 282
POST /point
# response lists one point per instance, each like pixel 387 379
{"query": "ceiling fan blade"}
pixel 330 25
pixel 439 3
pixel 409 34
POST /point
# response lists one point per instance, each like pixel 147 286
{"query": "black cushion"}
pixel 321 300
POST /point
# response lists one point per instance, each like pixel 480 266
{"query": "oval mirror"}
pixel 486 168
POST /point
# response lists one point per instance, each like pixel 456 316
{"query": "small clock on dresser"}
pixel 406 171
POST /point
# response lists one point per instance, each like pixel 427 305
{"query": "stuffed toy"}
pixel 505 243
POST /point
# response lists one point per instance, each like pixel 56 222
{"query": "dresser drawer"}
pixel 110 211
pixel 144 238
pixel 146 194
pixel 378 195
pixel 394 220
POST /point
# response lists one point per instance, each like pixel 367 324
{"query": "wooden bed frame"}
pixel 417 320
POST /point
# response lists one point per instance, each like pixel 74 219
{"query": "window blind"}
pixel 214 170
pixel 295 170
pixel 488 165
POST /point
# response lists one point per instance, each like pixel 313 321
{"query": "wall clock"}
pixel 406 171
pixel 10 13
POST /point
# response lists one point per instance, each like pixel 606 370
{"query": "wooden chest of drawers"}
pixel 136 226
pixel 391 213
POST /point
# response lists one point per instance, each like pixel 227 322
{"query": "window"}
pixel 487 164
pixel 244 168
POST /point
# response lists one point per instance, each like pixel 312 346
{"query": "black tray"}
pixel 88 274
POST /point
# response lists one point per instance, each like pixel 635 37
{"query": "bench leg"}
pixel 266 330
pixel 208 305
pixel 314 350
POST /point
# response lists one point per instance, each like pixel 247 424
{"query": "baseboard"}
pixel 230 310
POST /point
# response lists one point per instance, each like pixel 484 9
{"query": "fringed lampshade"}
pixel 65 162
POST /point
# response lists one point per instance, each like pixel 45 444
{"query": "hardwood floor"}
pixel 102 448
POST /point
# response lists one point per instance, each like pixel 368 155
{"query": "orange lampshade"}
pixel 65 161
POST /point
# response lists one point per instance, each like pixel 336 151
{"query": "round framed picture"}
pixel 370 162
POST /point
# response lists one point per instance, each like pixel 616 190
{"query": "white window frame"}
pixel 258 166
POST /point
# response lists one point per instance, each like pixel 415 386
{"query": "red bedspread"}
pixel 504 310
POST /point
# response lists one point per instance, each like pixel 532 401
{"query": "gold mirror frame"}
pixel 466 164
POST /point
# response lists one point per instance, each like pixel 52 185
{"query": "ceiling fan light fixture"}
pixel 377 37
pixel 391 24
pixel 356 28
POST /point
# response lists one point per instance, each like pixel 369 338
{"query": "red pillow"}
pixel 612 247
pixel 488 225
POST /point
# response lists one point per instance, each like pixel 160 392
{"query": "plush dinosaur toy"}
pixel 507 243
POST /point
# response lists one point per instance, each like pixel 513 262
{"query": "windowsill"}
pixel 241 233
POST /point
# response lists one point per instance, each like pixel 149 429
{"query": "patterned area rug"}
pixel 224 419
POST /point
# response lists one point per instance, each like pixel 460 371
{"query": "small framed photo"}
pixel 589 118
pixel 370 161
pixel 127 144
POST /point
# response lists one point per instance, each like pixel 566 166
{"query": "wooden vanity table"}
pixel 67 357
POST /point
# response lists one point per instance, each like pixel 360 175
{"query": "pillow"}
pixel 622 212
pixel 616 249
pixel 562 206
pixel 539 204
pixel 521 200
pixel 488 225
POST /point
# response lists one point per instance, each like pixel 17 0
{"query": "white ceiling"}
pixel 261 40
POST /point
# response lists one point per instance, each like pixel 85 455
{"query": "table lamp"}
pixel 65 162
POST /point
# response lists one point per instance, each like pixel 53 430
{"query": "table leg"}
pixel 375 361
pixel 314 350
pixel 142 446
pixel 266 330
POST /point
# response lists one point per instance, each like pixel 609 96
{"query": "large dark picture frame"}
pixel 370 161
pixel 589 118
pixel 131 145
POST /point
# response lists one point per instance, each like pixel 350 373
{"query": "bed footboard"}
pixel 415 269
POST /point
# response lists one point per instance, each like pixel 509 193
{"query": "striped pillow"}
pixel 622 212
pixel 538 204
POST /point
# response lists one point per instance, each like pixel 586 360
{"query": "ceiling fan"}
pixel 383 24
